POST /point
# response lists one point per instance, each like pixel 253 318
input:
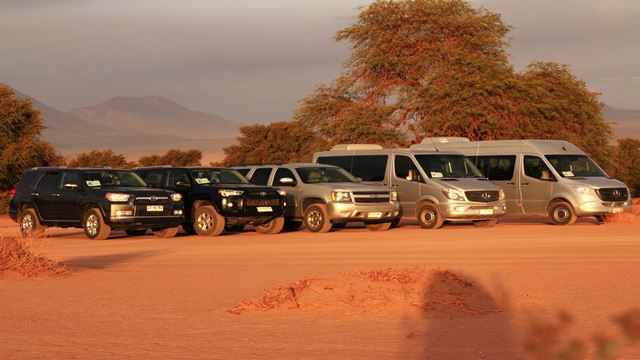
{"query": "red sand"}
pixel 170 298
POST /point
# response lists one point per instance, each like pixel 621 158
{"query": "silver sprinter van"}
pixel 433 186
pixel 543 177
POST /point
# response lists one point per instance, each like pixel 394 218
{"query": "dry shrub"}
pixel 627 217
pixel 24 257
pixel 433 293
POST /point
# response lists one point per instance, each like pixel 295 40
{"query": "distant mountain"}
pixel 156 115
pixel 71 134
pixel 626 122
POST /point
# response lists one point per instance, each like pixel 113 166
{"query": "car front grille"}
pixel 483 195
pixel 613 194
pixel 263 202
pixel 151 200
pixel 370 197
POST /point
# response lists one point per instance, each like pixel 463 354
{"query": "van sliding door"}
pixel 501 169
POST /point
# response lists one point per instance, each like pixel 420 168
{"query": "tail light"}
pixel 12 193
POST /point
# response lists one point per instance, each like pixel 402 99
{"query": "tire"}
pixel 379 227
pixel 166 232
pixel 316 218
pixel 138 232
pixel 339 225
pixel 274 226
pixel 429 216
pixel 485 223
pixel 189 229
pixel 601 219
pixel 291 225
pixel 561 213
pixel 29 223
pixel 395 222
pixel 234 228
pixel 207 221
pixel 94 226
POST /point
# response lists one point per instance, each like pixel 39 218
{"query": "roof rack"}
pixel 431 143
pixel 357 147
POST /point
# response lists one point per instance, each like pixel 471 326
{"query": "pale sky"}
pixel 253 60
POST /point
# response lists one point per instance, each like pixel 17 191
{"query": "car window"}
pixel 404 166
pixel 344 161
pixel 261 176
pixel 369 167
pixel 536 168
pixel 153 177
pixel 177 175
pixel 69 177
pixel 496 167
pixel 243 171
pixel 49 182
pixel 282 173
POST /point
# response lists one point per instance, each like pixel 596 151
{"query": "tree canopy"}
pixel 173 157
pixel 99 158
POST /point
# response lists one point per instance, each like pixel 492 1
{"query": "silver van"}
pixel 326 196
pixel 433 186
pixel 543 177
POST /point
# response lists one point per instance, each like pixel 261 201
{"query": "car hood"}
pixel 351 186
pixel 468 184
pixel 243 187
pixel 137 191
pixel 595 182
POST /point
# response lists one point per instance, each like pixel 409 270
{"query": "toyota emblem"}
pixel 263 193
pixel 486 196
pixel 153 198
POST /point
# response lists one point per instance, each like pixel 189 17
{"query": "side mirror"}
pixel 181 183
pixel 71 186
pixel 412 175
pixel 287 181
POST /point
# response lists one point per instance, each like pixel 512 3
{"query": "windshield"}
pixel 112 178
pixel 575 166
pixel 448 166
pixel 217 176
pixel 317 175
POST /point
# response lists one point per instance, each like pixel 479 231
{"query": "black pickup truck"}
pixel 218 198
pixel 96 199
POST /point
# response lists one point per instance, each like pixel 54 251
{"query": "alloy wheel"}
pixel 92 225
pixel 205 222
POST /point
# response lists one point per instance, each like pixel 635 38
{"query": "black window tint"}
pixel 153 177
pixel 261 176
pixel 176 175
pixel 243 171
pixel 49 182
pixel 369 167
pixel 536 168
pixel 402 165
pixel 69 177
pixel 496 167
pixel 339 161
pixel 282 173
pixel 28 181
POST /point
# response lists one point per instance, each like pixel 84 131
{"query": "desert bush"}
pixel 4 202
pixel 173 157
pixel 99 158
pixel 25 257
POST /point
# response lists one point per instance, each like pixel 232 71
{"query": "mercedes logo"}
pixel 486 196
pixel 616 193
pixel 263 193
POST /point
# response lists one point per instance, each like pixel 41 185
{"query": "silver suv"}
pixel 327 196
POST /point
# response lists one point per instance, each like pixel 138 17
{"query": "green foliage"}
pixel 20 145
pixel 627 159
pixel 100 158
pixel 173 157
pixel 279 142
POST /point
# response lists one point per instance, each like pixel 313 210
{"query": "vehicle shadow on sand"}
pixel 107 261
pixel 461 320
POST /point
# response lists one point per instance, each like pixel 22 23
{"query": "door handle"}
pixel 394 185
pixel 35 194
pixel 525 184
pixel 511 183
pixel 55 195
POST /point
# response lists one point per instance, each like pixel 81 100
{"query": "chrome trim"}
pixel 152 198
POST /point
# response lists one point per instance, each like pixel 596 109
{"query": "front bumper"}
pixel 596 206
pixel 237 210
pixel 127 216
pixel 375 212
pixel 469 210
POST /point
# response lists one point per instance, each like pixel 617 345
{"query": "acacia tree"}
pixel 99 158
pixel 21 147
pixel 628 164
pixel 173 157
pixel 279 142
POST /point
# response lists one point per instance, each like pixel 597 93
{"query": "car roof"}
pixel 191 167
pixel 52 168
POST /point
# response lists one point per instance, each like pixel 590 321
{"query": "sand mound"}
pixel 433 293
pixel 627 217
pixel 21 257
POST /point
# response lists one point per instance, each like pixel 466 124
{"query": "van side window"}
pixel 369 167
pixel 405 168
pixel 496 167
pixel 536 168
pixel 261 176
pixel 344 162
pixel 282 173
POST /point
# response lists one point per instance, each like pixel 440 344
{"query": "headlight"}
pixel 340 196
pixel 228 193
pixel 502 195
pixel 282 193
pixel 176 197
pixel 117 197
pixel 585 190
pixel 393 196
pixel 454 194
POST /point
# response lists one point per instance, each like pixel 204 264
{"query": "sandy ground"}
pixel 169 298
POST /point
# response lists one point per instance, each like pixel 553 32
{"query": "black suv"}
pixel 96 199
pixel 217 199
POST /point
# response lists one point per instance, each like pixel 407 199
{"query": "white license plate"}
pixel 155 208
pixel 374 215
pixel 264 209
pixel 486 211
pixel 616 210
